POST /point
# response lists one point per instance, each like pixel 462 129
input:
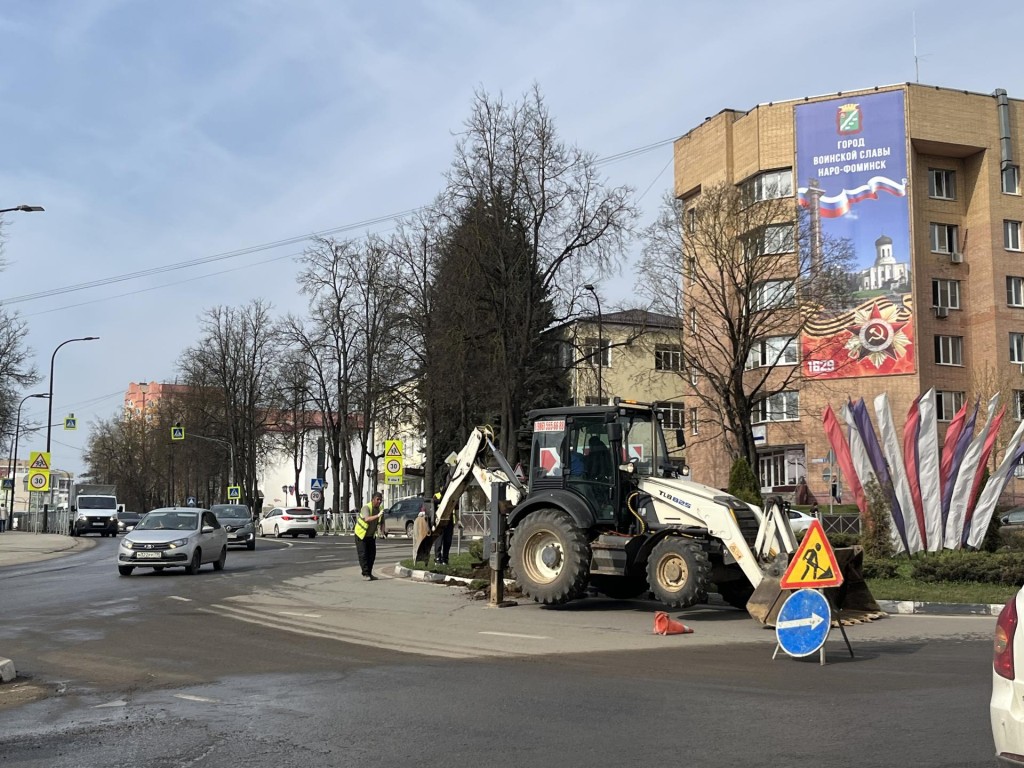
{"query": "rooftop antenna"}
pixel 917 70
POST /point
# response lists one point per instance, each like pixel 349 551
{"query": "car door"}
pixel 210 541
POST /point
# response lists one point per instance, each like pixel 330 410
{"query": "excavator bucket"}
pixel 852 599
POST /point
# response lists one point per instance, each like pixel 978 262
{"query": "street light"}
pixel 23 209
pixel 49 418
pixel 600 340
pixel 14 451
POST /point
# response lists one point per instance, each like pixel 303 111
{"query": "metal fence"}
pixel 841 524
pixel 32 521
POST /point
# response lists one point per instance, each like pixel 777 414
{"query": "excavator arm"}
pixel 470 465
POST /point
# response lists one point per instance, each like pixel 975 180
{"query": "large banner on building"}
pixel 851 167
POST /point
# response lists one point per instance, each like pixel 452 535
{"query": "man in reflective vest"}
pixel 366 529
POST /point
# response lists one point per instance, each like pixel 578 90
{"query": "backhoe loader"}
pixel 603 508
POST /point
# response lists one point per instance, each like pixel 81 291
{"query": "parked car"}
pixel 800 521
pixel 169 537
pixel 1005 712
pixel 126 521
pixel 238 523
pixel 401 516
pixel 1013 517
pixel 289 520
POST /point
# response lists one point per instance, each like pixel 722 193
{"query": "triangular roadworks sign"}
pixel 814 565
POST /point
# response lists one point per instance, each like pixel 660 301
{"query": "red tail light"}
pixel 1006 627
pixel 285 517
pixel 315 518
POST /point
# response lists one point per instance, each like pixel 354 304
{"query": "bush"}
pixel 742 483
pixel 476 550
pixel 875 534
pixel 843 539
pixel 875 568
pixel 1001 568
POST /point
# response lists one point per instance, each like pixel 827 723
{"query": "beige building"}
pixel 925 182
pixel 632 355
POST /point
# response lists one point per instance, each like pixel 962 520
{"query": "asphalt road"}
pixel 149 670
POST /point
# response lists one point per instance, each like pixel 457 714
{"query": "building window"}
pixel 940 184
pixel 776 469
pixel 770 185
pixel 773 294
pixel 1015 291
pixel 693 421
pixel 946 293
pixel 693 375
pixel 690 219
pixel 949 350
pixel 1011 180
pixel 691 266
pixel 947 404
pixel 668 357
pixel 693 320
pixel 782 406
pixel 1011 235
pixel 1017 348
pixel 1018 404
pixel 772 351
pixel 945 238
pixel 590 353
pixel 675 415
pixel 771 240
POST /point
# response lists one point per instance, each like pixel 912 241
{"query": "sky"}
pixel 161 133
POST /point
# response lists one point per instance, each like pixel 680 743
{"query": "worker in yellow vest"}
pixel 366 531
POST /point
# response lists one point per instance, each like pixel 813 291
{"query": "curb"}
pixel 437 578
pixel 7 672
pixel 910 607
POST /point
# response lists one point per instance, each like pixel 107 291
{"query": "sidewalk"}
pixel 20 547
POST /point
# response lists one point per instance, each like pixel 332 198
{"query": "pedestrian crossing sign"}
pixel 814 564
pixel 234 492
pixel 70 422
pixel 177 433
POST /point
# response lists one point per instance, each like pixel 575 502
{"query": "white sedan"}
pixel 183 537
pixel 1006 708
pixel 291 521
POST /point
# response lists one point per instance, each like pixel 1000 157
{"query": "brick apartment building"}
pixel 925 182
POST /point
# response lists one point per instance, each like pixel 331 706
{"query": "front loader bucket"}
pixel 852 598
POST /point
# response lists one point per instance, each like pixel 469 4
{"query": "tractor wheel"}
pixel 736 593
pixel 550 557
pixel 620 587
pixel 677 571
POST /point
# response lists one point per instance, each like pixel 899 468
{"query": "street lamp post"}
pixel 600 340
pixel 144 388
pixel 23 209
pixel 14 451
pixel 49 418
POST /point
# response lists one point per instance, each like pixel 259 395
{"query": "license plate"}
pixel 98 523
pixel 232 536
pixel 148 555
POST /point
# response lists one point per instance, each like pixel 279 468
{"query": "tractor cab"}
pixel 599 453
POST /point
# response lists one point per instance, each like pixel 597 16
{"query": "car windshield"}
pixel 230 511
pixel 169 521
pixel 97 502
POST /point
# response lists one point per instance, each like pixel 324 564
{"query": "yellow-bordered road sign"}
pixel 177 432
pixel 39 480
pixel 234 492
pixel 394 462
pixel 39 460
pixel 814 565
pixel 70 422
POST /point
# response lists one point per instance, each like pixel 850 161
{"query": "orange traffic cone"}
pixel 663 625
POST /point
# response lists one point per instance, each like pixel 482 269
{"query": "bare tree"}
pixel 747 278
pixel 237 359
pixel 16 368
pixel 557 220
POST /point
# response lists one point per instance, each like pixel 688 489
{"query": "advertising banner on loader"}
pixel 851 169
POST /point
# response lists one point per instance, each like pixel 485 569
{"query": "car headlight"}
pixel 178 543
pixel 127 544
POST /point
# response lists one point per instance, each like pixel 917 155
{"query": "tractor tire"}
pixel 736 593
pixel 677 572
pixel 620 587
pixel 550 557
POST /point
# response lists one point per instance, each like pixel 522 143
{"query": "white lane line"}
pixel 513 634
pixel 303 615
pixel 118 703
pixel 189 697
pixel 183 599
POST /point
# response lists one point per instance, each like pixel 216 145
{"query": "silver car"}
pixel 184 537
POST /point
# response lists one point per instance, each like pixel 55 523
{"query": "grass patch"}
pixel 458 565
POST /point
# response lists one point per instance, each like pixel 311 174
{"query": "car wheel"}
pixel 262 532
pixel 408 529
pixel 197 560
pixel 218 564
pixel 125 570
pixel 251 545
pixel 277 532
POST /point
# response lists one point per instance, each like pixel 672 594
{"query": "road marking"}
pixel 513 634
pixel 303 615
pixel 189 697
pixel 811 621
pixel 118 703
pixel 183 599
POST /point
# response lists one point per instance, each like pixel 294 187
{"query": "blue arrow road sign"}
pixel 316 483
pixel 803 622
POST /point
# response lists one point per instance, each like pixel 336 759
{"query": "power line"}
pixel 628 154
